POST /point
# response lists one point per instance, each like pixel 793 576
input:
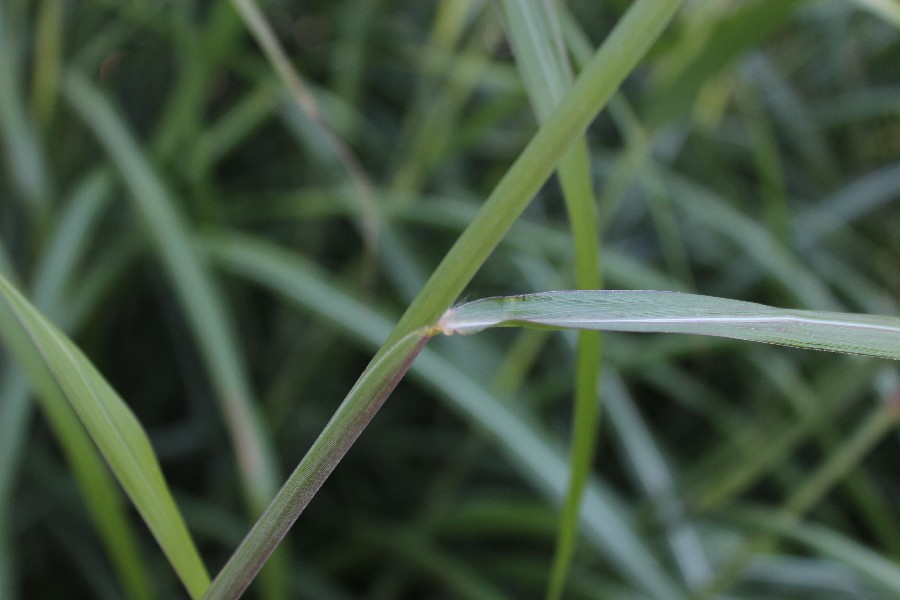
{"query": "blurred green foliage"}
pixel 167 203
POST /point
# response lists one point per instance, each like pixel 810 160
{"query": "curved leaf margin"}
pixel 652 311
pixel 110 423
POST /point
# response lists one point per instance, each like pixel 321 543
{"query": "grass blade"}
pixel 348 422
pixel 103 499
pixel 598 81
pixel 812 490
pixel 675 312
pixel 613 62
pixel 606 523
pixel 204 308
pixel 754 240
pixel 44 350
pixel 541 59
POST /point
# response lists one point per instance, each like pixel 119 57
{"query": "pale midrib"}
pixel 450 326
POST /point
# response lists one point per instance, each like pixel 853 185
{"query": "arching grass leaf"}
pixel 650 311
pixel 45 352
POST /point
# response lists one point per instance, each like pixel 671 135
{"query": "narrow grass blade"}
pixel 595 85
pixel 860 486
pixel 6 264
pixel 675 312
pixel 51 359
pixel 613 62
pixel 103 499
pixel 247 115
pixel 769 163
pixel 606 524
pixel 204 307
pixel 72 237
pixel 15 412
pixel 436 104
pixel 811 491
pixel 799 129
pixel 860 197
pixel 729 471
pixel 353 415
pixel 541 59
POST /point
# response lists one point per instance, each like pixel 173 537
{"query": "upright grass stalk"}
pixel 370 392
pixel 652 472
pixel 431 105
pixel 607 525
pixel 599 80
pixel 541 59
pixel 612 63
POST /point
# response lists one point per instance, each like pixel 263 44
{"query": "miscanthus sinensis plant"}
pixel 220 218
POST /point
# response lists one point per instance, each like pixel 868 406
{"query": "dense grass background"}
pixel 166 202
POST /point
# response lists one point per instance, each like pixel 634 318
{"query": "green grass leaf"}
pixel 64 251
pixel 542 62
pixel 613 62
pixel 51 359
pixel 203 306
pixel 604 522
pixel 675 312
